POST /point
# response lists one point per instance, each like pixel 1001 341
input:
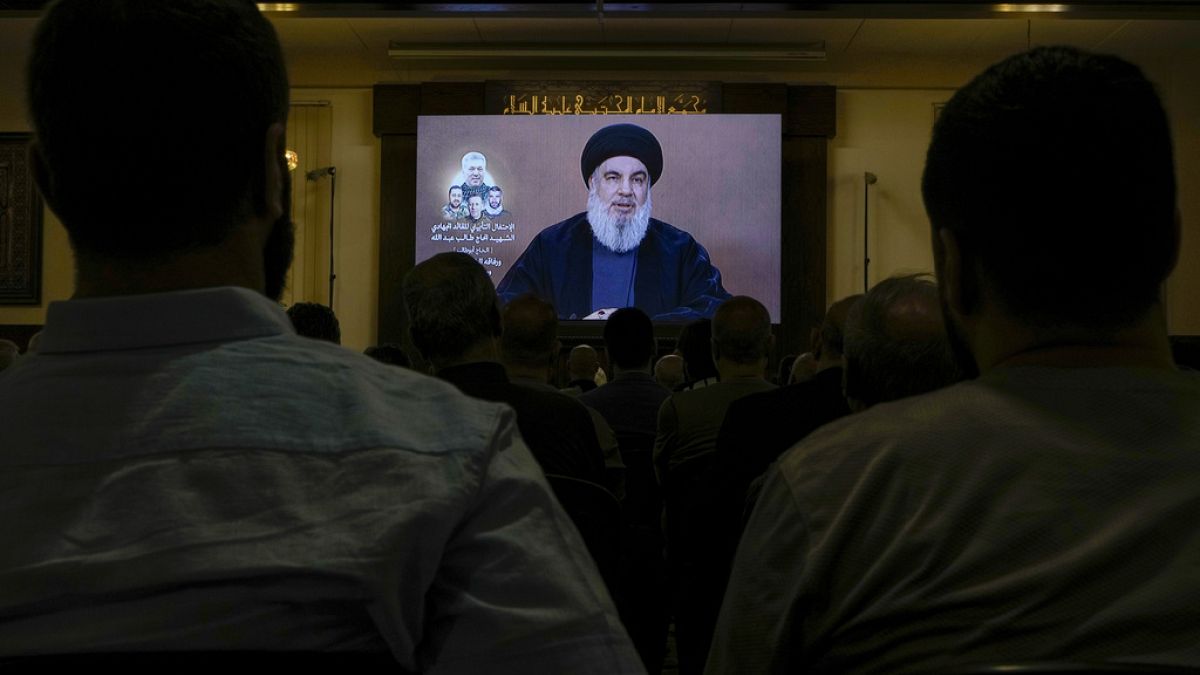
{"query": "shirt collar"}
pixel 161 319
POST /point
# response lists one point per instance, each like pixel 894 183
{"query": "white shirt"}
pixel 181 471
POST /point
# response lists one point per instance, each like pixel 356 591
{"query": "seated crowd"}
pixel 996 467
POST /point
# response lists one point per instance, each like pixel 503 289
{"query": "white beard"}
pixel 617 233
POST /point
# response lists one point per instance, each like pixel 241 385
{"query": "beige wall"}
pixel 884 120
pixel 355 154
pixel 885 131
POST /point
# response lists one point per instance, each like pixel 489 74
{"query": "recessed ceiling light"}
pixel 1036 8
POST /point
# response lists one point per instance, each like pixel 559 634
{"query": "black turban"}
pixel 622 140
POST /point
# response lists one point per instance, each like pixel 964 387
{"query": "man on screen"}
pixel 495 205
pixel 474 171
pixel 614 254
pixel 454 209
pixel 475 208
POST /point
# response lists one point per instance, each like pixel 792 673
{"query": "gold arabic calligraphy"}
pixel 613 104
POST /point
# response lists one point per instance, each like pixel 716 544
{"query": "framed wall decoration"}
pixel 20 224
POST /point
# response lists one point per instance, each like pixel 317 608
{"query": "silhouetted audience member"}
pixel 455 324
pixel 757 429
pixel 669 371
pixel 582 366
pixel 8 353
pixel 529 340
pixel 695 346
pixel 1046 510
pixel 529 349
pixel 688 425
pixel 389 353
pixel 1185 349
pixel 688 421
pixel 784 375
pixel 182 472
pixel 316 321
pixel 804 368
pixel 32 345
pixel 896 344
pixel 630 403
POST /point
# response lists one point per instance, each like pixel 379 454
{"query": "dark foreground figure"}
pixel 180 470
pixel 1046 510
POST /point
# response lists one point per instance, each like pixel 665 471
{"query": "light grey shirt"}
pixel 181 471
pixel 1036 514
pixel 689 421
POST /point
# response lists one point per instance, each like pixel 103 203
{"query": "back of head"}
pixel 695 346
pixel 785 368
pixel 804 368
pixel 582 362
pixel 741 331
pixel 629 339
pixel 8 353
pixel 833 328
pixel 452 306
pixel 1054 171
pixel 896 344
pixel 668 371
pixel 529 334
pixel 315 321
pixel 173 157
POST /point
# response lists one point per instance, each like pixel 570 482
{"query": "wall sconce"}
pixel 293 160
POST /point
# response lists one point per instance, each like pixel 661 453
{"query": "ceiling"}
pixel 883 43
pixel 858 50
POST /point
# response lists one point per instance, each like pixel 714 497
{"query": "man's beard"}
pixel 618 233
pixel 494 210
pixel 278 250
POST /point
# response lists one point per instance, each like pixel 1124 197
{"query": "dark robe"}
pixel 675 280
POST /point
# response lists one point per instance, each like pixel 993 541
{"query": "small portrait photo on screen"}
pixel 668 213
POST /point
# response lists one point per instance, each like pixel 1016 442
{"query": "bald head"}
pixel 803 368
pixel 582 363
pixel 8 353
pixel 896 344
pixel 668 372
pixel 741 331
